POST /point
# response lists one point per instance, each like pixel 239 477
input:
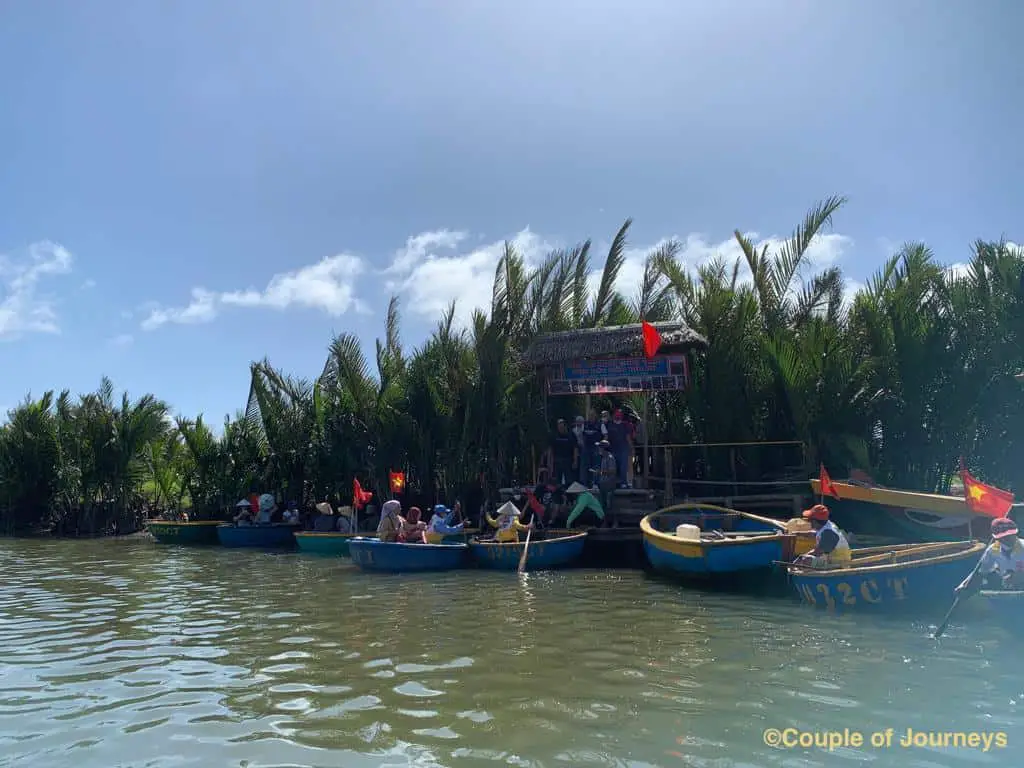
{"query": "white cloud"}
pixel 202 309
pixel 419 247
pixel 328 285
pixel 431 282
pixel 23 308
pixel 122 340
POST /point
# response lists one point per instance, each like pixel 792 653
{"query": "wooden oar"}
pixel 522 558
pixel 956 600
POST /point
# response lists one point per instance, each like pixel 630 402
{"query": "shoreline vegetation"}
pixel 916 370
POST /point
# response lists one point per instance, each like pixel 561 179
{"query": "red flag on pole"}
pixel 652 339
pixel 397 482
pixel 825 483
pixel 984 499
pixel 359 496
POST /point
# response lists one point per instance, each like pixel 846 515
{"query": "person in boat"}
pixel 830 547
pixel 412 529
pixel 1003 560
pixel 345 520
pixel 244 514
pixel 291 514
pixel 324 522
pixel 507 523
pixel 390 521
pixel 440 525
pixel 267 508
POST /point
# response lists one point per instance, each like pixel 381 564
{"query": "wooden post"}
pixel 732 466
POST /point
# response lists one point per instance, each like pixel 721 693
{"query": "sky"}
pixel 189 187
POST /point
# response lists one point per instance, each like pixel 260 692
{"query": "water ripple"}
pixel 133 654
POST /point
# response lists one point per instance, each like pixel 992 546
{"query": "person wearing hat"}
pixel 324 522
pixel 268 506
pixel 1003 558
pixel 438 527
pixel 830 546
pixel 585 501
pixel 344 524
pixel 507 523
pixel 390 521
pixel 244 513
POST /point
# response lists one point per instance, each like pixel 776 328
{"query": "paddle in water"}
pixel 526 547
pixel 956 601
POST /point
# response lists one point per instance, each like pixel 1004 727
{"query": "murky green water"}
pixel 117 653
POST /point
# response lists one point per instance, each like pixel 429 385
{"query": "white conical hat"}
pixel 508 508
pixel 324 508
pixel 576 488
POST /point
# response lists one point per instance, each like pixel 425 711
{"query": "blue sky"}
pixel 186 187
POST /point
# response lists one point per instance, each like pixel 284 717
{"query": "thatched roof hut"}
pixel 616 340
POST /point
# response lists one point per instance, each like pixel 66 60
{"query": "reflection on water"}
pixel 127 653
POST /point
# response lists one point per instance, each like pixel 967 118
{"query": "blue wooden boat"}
pixel 889 577
pixel 262 536
pixel 371 554
pixel 704 541
pixel 324 543
pixel 553 549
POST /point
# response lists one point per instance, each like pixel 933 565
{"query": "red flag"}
pixel 825 483
pixel 652 339
pixel 359 496
pixel 984 499
pixel 397 481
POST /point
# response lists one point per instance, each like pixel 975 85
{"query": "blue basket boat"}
pixel 899 576
pixel 555 549
pixel 324 543
pixel 273 536
pixel 706 541
pixel 372 554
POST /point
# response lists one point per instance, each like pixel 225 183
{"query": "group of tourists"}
pixel 409 528
pixel 596 452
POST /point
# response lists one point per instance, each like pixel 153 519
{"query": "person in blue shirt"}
pixel 440 525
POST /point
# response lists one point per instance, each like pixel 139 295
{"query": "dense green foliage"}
pixel 916 371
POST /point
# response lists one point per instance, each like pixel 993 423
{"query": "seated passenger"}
pixel 412 530
pixel 440 526
pixel 268 506
pixel 324 522
pixel 507 523
pixel 390 521
pixel 291 514
pixel 345 520
pixel 831 547
pixel 244 515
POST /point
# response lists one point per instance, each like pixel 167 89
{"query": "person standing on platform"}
pixel 619 441
pixel 589 459
pixel 564 454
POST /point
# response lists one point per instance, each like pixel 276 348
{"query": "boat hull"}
pixel 192 533
pixel 393 557
pixel 327 543
pixel 903 515
pixel 748 544
pixel 257 536
pixel 558 551
pixel 883 578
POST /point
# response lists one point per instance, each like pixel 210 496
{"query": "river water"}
pixel 126 653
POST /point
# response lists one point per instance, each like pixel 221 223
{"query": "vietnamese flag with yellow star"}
pixel 397 482
pixel 984 499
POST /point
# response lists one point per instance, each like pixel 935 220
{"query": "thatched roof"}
pixel 616 340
